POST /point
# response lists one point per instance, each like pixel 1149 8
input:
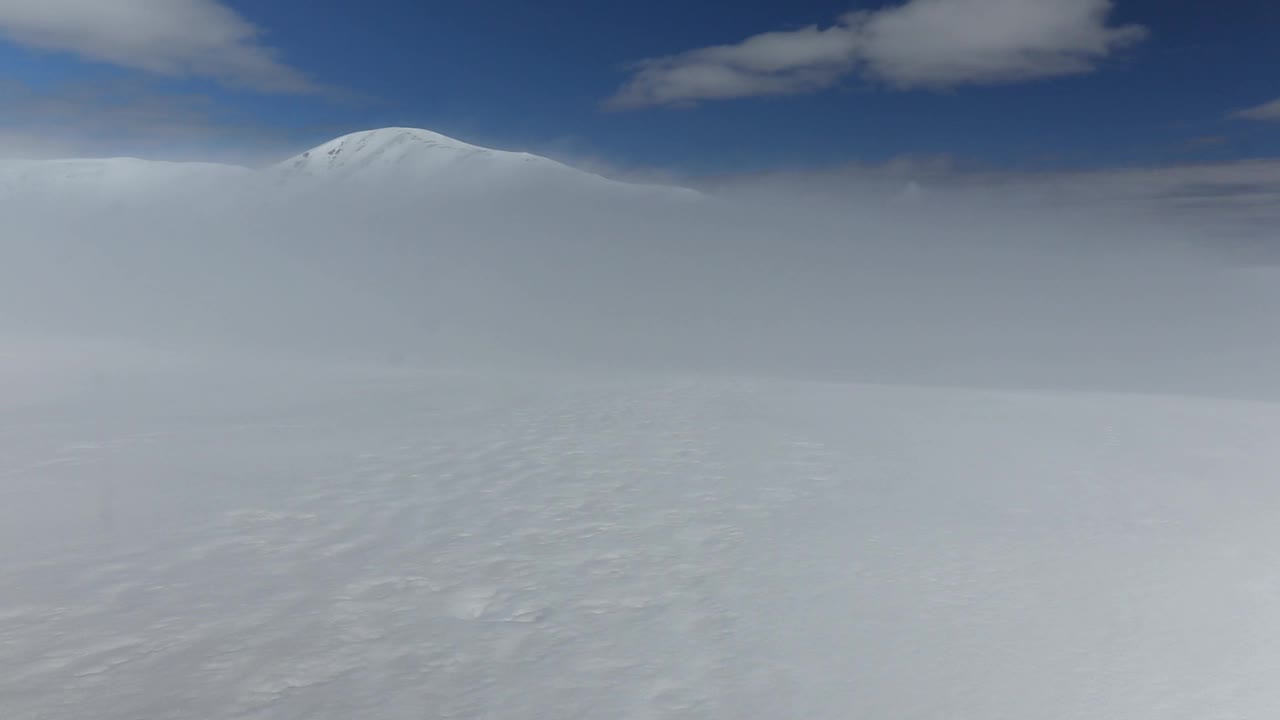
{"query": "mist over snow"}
pixel 407 244
pixel 404 427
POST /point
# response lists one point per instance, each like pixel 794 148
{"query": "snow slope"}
pixel 410 154
pixel 345 545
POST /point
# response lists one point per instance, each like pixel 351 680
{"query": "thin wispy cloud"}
pixel 1266 111
pixel 177 38
pixel 934 44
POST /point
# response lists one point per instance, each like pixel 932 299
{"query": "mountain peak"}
pixel 394 139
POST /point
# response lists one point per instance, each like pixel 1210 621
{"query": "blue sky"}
pixel 1003 83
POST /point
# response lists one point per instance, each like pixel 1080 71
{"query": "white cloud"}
pixel 922 43
pixel 1268 111
pixel 201 38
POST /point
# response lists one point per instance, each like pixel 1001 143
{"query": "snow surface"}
pixel 409 152
pixel 284 544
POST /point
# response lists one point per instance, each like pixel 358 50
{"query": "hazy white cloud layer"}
pixel 200 38
pixel 919 44
pixel 1226 203
pixel 1266 111
pixel 1119 281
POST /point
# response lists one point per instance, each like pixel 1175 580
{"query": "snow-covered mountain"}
pixel 407 160
pixel 412 160
pixel 412 154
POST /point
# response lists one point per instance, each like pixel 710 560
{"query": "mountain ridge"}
pixel 409 158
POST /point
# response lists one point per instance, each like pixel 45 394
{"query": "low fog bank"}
pixel 954 286
pixel 1232 207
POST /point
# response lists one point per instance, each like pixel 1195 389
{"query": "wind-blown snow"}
pixel 502 546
